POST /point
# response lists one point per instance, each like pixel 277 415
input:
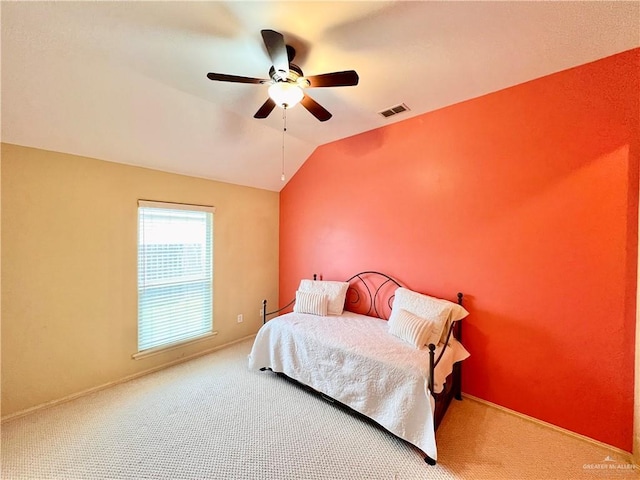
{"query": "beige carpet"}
pixel 211 418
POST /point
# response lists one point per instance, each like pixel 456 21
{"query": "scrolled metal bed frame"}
pixel 369 294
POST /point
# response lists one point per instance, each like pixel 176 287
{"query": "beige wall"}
pixel 69 300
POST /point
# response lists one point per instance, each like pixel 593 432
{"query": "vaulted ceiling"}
pixel 126 81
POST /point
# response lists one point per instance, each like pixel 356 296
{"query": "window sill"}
pixel 165 348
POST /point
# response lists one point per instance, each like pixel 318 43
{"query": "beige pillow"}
pixel 310 302
pixel 414 330
pixel 441 311
pixel 335 291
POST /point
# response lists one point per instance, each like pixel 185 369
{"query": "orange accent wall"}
pixel 526 200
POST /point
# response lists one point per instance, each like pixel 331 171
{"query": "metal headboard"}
pixel 371 293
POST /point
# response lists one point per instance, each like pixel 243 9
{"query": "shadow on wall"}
pixel 363 144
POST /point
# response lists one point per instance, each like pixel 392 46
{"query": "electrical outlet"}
pixel 240 318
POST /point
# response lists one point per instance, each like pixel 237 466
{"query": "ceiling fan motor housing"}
pixel 295 75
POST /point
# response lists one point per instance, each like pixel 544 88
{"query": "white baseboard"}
pixel 627 455
pixel 128 378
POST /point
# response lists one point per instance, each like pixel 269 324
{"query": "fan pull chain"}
pixel 284 131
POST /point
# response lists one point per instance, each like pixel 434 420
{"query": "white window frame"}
pixel 199 278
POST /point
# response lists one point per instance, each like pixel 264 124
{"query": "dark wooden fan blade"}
pixel 265 109
pixel 291 53
pixel 277 49
pixel 315 108
pixel 221 77
pixel 347 78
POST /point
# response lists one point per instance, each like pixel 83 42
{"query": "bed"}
pixel 370 351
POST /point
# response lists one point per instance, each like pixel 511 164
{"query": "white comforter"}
pixel 355 360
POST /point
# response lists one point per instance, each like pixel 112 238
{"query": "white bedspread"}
pixel 355 360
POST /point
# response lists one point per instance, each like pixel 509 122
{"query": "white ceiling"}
pixel 126 81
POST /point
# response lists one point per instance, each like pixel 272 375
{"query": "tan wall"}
pixel 69 299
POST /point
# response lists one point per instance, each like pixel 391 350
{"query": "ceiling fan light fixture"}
pixel 285 94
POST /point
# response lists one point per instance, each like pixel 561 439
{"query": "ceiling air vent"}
pixel 389 112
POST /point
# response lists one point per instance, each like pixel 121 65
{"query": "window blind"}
pixel 175 273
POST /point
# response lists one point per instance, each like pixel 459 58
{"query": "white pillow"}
pixel 414 330
pixel 335 291
pixel 457 313
pixel 310 302
pixel 442 312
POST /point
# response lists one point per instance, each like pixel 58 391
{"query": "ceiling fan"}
pixel 287 82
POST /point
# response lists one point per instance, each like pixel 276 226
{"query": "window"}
pixel 175 273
